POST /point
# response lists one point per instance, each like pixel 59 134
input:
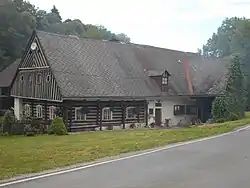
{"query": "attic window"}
pixel 164 81
pixel 165 78
pixel 30 78
pixel 21 78
pixel 39 78
pixel 48 78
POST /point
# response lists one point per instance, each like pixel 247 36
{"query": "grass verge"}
pixel 23 155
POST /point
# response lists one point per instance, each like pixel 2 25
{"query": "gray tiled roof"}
pixel 7 75
pixel 95 68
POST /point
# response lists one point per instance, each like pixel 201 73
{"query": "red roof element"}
pixel 188 77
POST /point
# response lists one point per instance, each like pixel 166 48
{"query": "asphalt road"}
pixel 222 162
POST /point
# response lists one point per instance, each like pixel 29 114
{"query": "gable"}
pixel 34 78
pixel 34 56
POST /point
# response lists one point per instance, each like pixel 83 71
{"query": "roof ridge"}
pixel 107 41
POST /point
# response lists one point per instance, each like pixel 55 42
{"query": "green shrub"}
pixel 8 121
pixel 233 116
pixel 29 130
pixel 5 134
pixel 57 127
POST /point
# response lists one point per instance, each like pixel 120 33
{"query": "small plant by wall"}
pixel 9 121
pixel 57 127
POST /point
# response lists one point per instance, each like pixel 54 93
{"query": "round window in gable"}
pixel 48 78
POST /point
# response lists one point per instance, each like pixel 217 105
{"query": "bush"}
pixel 8 121
pixel 132 126
pixel 57 127
pixel 233 117
pixel 5 134
pixel 1 124
pixel 29 130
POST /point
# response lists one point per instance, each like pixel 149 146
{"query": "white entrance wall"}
pixel 168 111
pixel 18 108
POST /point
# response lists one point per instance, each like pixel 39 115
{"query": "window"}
pixel 151 111
pixel 185 110
pixel 191 110
pixel 39 111
pixel 79 114
pixel 106 114
pixel 131 113
pixel 48 78
pixel 29 78
pixel 27 110
pixel 39 79
pixel 158 104
pixel 179 109
pixel 52 112
pixel 21 78
pixel 164 80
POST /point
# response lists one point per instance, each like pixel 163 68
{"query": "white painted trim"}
pixel 52 114
pixel 111 114
pixel 27 110
pixel 39 107
pixel 85 116
pixel 32 68
pixel 21 97
pixel 172 146
pixel 130 107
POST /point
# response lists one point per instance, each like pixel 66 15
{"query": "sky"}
pixel 175 24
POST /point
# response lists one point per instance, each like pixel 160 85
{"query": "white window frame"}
pixel 48 78
pixel 83 116
pixel 52 112
pixel 27 110
pixel 127 114
pixel 21 78
pixel 29 78
pixel 37 80
pixel 39 111
pixel 164 80
pixel 110 115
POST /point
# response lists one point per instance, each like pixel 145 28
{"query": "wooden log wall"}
pixel 45 106
pixel 93 115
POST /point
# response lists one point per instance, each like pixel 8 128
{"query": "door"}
pixel 158 117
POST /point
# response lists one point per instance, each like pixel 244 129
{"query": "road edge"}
pixel 107 160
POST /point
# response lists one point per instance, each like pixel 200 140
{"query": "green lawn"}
pixel 20 155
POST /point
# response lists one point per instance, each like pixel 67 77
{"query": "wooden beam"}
pixel 138 113
pixel 70 118
pixel 123 105
pixel 66 116
pixel 45 111
pixel 32 109
pixel 100 116
pixel 146 113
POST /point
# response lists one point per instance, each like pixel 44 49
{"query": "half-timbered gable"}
pixel 34 79
pixel 34 56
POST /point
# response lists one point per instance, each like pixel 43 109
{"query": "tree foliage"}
pixel 231 105
pixel 19 18
pixel 232 38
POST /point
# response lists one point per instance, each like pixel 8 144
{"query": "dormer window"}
pixel 165 78
pixel 164 81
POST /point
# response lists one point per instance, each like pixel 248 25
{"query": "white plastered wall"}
pixel 168 110
pixel 18 108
